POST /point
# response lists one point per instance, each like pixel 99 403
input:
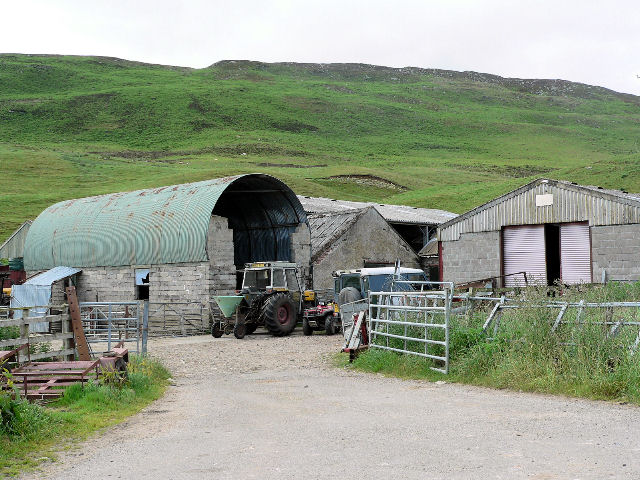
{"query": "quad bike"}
pixel 319 318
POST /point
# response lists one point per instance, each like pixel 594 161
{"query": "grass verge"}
pixel 582 358
pixel 31 434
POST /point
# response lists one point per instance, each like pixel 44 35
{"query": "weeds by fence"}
pixel 588 351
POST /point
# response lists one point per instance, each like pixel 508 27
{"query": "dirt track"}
pixel 270 407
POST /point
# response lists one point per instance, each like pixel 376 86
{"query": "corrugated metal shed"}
pixel 391 213
pixel 53 275
pixel 326 228
pixel 154 226
pixel 547 201
pixel 13 246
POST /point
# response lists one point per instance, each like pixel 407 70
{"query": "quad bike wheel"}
pixel 306 328
pixel 216 330
pixel 279 314
pixel 329 325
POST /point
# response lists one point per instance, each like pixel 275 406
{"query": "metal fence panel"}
pixel 412 323
pixel 107 323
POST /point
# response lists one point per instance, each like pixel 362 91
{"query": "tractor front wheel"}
pixel 250 328
pixel 279 314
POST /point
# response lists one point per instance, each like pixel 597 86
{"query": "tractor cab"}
pixel 359 282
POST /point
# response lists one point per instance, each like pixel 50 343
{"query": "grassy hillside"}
pixel 77 126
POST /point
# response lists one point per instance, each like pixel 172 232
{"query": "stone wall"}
pixel 474 256
pixel 106 284
pixel 221 256
pixel 616 250
pixel 370 238
pixel 301 252
pixel 178 282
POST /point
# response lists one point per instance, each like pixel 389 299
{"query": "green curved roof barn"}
pixel 161 225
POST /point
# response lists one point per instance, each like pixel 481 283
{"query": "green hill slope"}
pixel 77 126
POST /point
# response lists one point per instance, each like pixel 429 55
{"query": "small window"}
pixel 292 280
pixel 142 283
pixel 278 279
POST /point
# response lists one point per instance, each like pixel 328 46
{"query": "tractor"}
pixel 353 285
pixel 270 297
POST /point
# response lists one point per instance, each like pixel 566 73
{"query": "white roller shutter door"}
pixel 523 251
pixel 575 253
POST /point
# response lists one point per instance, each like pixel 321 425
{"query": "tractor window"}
pixel 351 281
pixel 416 277
pixel 292 280
pixel 257 279
pixel 379 283
pixel 278 279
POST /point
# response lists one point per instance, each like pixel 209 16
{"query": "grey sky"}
pixel 595 42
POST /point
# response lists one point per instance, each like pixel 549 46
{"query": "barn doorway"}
pixel 264 214
pixel 546 254
pixel 552 252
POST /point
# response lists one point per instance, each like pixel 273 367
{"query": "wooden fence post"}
pixel 76 324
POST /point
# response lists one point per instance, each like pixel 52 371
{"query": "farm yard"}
pixel 280 408
pixel 318 270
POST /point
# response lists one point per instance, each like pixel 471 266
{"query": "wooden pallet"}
pixel 47 380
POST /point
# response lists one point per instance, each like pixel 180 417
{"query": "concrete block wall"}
pixel 220 250
pixel 106 284
pixel 301 252
pixel 615 249
pixel 179 283
pixel 474 256
pixel 58 294
pixel 369 238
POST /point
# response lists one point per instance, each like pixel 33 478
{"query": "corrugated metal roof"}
pixel 571 203
pixel 154 226
pixel 430 249
pixel 13 246
pixel 53 275
pixel 391 213
pixel 326 228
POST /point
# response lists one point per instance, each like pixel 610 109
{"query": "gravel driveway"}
pixel 265 407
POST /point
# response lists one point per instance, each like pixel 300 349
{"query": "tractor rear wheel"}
pixel 279 313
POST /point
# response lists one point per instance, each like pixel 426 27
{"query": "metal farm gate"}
pixel 413 323
pixel 107 323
